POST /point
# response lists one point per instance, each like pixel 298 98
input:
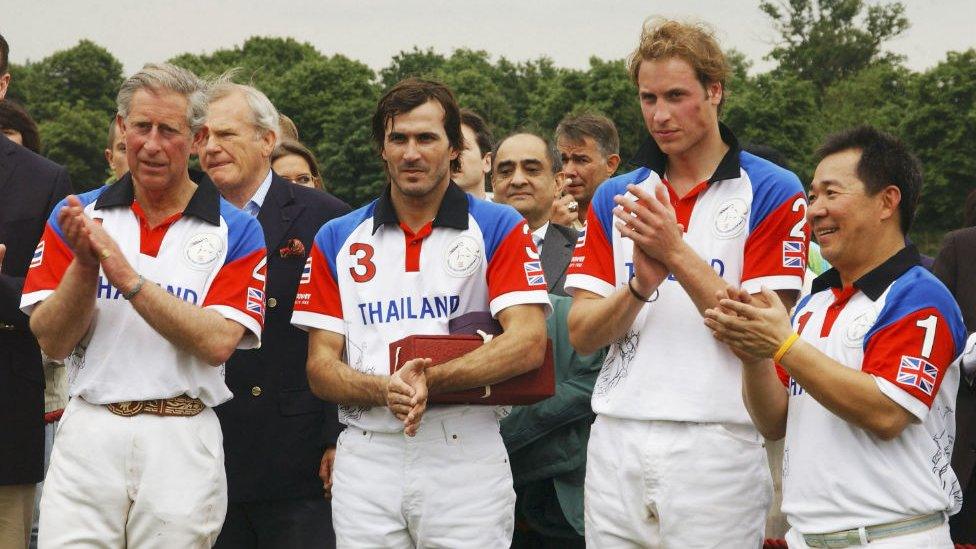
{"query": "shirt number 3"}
pixel 365 269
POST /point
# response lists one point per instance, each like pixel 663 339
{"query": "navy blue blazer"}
pixel 30 186
pixel 275 429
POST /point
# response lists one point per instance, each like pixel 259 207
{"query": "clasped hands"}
pixel 406 394
pixel 93 247
pixel 754 327
pixel 651 223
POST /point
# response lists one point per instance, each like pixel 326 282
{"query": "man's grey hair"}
pixel 264 115
pixel 158 77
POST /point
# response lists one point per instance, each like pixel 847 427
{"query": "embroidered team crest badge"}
pixel 203 249
pixel 730 218
pixel 918 373
pixel 463 257
pixel 858 328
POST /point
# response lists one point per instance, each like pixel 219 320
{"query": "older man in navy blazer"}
pixel 30 186
pixel 276 432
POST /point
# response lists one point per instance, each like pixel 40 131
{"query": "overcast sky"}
pixel 372 31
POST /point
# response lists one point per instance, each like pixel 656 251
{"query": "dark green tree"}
pixel 780 112
pixel 75 137
pixel 416 63
pixel 261 60
pixel 824 41
pixel 331 100
pixel 940 127
pixel 86 75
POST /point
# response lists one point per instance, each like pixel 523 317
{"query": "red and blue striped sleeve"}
pixel 237 289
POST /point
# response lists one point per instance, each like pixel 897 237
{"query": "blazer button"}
pixel 256 391
pixel 272 302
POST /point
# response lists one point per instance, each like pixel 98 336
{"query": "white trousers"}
pixel 450 486
pixel 665 484
pixel 933 538
pixel 143 481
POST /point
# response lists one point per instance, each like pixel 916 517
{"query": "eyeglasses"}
pixel 303 179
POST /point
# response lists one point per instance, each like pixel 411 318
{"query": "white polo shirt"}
pixel 374 281
pixel 748 222
pixel 211 255
pixel 902 326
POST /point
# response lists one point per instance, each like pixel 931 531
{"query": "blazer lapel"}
pixel 278 212
pixel 556 253
pixel 7 167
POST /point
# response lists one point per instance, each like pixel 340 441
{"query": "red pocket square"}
pixel 295 248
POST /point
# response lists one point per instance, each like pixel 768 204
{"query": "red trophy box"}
pixel 528 388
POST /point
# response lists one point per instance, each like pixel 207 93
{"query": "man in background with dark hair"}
pixel 475 158
pixel 376 276
pixel 590 149
pixel 863 375
pixel 547 440
pixel 524 177
pixel 32 186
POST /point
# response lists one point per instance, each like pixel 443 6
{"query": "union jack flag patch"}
pixel 793 255
pixel 38 255
pixel 917 372
pixel 255 301
pixel 307 272
pixel 533 273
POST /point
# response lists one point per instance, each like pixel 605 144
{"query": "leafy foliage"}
pixel 832 73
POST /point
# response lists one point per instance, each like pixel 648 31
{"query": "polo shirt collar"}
pixel 204 204
pixel 874 283
pixel 651 156
pixel 453 211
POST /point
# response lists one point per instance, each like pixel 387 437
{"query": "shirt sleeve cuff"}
pixel 303 320
pixel 29 301
pixel 902 398
pixel 588 283
pixel 778 282
pixel 529 297
pixel 252 335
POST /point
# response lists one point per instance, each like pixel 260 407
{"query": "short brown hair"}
pixel 693 42
pixel 482 134
pixel 411 93
pixel 288 147
pixel 598 127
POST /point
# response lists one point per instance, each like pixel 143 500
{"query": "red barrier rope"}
pixel 769 543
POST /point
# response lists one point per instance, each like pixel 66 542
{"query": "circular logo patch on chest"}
pixel 858 328
pixel 463 256
pixel 203 249
pixel 730 218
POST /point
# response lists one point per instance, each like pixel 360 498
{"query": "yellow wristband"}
pixel 785 347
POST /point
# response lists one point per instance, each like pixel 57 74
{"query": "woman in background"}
pixel 18 126
pixel 295 162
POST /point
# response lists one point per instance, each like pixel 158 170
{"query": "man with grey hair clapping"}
pixel 149 284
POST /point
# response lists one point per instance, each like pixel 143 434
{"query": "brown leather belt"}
pixel 179 406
